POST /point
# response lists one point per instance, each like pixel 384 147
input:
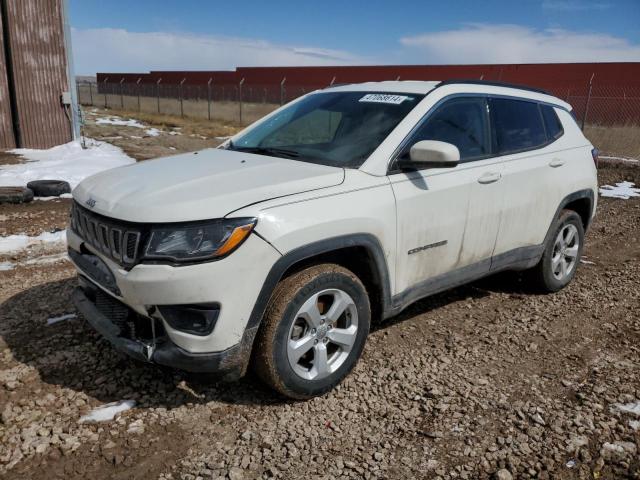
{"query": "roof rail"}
pixel 492 84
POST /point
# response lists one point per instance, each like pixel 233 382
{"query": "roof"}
pixel 456 86
pixel 389 86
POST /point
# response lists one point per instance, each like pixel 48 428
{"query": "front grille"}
pixel 120 241
pixel 114 310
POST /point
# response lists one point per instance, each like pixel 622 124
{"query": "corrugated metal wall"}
pixel 7 140
pixel 39 67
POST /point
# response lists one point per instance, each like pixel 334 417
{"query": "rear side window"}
pixel 517 124
pixel 551 122
pixel 462 122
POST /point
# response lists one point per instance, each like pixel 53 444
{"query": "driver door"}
pixel 448 218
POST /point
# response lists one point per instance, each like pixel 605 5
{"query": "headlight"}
pixel 197 242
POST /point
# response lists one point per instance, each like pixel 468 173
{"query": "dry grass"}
pixel 226 111
pixel 623 141
pixel 188 125
pixel 193 134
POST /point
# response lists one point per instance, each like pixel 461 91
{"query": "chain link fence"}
pixel 244 103
pixel 607 105
pixel 240 104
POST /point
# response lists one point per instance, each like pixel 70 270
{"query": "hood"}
pixel 198 186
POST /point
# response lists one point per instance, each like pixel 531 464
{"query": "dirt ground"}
pixel 485 381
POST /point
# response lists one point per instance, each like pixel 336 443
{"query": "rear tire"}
pixel 15 195
pixel 561 256
pixel 313 332
pixel 49 188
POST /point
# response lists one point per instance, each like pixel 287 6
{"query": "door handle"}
pixel 556 162
pixel 489 177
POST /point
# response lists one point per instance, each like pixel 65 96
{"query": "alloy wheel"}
pixel 565 252
pixel 322 334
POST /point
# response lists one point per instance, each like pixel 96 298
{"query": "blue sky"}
pixel 196 34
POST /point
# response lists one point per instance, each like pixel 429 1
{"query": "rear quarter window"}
pixel 552 123
pixel 518 125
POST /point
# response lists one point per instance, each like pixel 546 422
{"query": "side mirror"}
pixel 430 154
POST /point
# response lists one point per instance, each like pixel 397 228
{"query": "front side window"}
pixel 332 128
pixel 518 125
pixel 461 122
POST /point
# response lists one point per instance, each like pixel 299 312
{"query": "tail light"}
pixel 595 154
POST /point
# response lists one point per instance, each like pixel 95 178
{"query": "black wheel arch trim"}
pixel 364 240
pixel 572 197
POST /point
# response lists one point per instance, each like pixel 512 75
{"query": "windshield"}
pixel 339 129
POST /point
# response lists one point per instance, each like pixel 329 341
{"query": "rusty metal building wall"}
pixel 7 140
pixel 39 70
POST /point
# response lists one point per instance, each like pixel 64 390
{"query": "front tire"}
pixel 561 256
pixel 313 331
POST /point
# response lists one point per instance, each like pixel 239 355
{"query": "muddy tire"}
pixel 561 256
pixel 49 188
pixel 313 332
pixel 15 195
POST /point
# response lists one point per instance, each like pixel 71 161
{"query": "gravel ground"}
pixel 484 381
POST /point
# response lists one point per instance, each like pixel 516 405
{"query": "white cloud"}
pixel 574 5
pixel 118 50
pixel 486 43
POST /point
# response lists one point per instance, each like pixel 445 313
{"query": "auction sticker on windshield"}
pixel 382 98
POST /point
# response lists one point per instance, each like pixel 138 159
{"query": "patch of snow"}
pixel 15 243
pixel 5 266
pixel 633 408
pixel 107 412
pixel 222 138
pixel 62 318
pixel 173 132
pixel 634 424
pixel 46 199
pixel 571 463
pixel 172 148
pixel 623 190
pixel 150 131
pixel 586 262
pixel 69 162
pixel 46 259
pixel 119 122
pixel 134 136
pixel 621 159
pixel 41 260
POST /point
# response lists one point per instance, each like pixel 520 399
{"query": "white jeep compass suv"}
pixel 277 249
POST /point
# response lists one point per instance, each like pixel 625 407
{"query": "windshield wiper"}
pixel 273 151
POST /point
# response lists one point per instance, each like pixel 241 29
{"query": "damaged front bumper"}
pixel 157 347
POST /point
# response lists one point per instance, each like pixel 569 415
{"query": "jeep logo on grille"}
pixel 91 202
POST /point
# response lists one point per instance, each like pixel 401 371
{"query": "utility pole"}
pixel 158 92
pixel 209 98
pixel 240 98
pixel 181 98
pixel 138 88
